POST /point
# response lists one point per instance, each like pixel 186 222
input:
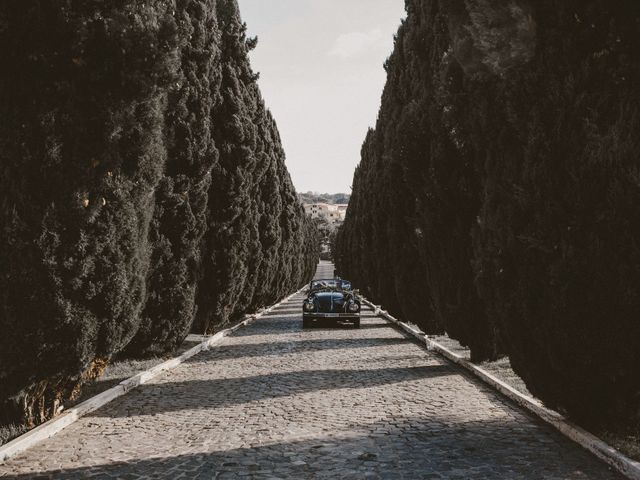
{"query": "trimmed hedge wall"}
pixel 498 197
pixel 142 186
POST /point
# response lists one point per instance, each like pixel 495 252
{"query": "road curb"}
pixel 605 452
pixel 55 425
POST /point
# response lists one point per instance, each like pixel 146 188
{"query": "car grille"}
pixel 326 305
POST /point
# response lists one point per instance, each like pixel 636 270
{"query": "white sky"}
pixel 321 74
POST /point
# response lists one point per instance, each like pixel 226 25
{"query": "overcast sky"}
pixel 321 74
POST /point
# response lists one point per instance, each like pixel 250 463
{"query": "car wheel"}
pixel 306 323
pixel 356 323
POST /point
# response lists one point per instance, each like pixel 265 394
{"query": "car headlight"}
pixel 308 306
pixel 354 307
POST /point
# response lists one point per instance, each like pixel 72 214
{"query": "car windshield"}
pixel 333 283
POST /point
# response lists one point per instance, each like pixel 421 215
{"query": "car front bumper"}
pixel 331 316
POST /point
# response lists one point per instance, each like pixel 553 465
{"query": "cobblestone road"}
pixel 274 401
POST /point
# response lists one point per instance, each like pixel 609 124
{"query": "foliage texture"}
pixel 142 186
pixel 256 247
pixel 500 189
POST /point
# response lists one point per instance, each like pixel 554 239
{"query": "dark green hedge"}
pixel 180 216
pixel 82 96
pixel 416 196
pixel 557 243
pixel 500 187
pixel 127 184
pixel 254 249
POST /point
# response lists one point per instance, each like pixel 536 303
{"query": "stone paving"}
pixel 275 401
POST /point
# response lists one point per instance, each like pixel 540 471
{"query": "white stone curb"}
pixel 55 425
pixel 605 452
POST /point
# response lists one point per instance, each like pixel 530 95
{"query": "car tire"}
pixel 306 323
pixel 356 323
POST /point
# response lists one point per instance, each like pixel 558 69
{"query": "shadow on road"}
pixel 411 447
pixel 216 393
pixel 292 322
pixel 226 352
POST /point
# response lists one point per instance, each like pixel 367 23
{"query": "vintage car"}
pixel 331 300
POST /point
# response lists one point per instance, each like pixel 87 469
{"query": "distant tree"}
pixel 336 198
pixel 323 227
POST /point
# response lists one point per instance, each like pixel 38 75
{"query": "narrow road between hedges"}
pixel 274 401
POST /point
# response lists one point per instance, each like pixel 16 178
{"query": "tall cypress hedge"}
pixel 180 217
pixel 82 96
pixel 253 251
pixel 505 164
pixel 557 241
pixel 230 243
pixel 142 185
pixel 416 195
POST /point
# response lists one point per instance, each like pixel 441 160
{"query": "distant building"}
pixel 333 214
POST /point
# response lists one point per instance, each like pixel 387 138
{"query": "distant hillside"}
pixel 331 198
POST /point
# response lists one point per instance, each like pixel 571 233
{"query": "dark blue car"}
pixel 331 300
